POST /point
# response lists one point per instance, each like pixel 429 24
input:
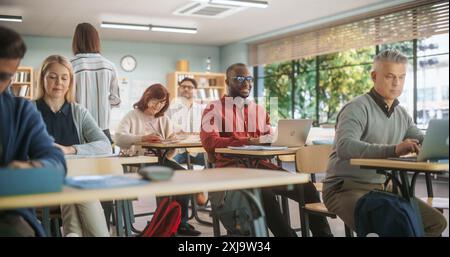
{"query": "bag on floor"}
pixel 388 215
pixel 165 220
pixel 234 211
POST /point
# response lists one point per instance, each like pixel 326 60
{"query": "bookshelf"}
pixel 211 86
pixel 22 84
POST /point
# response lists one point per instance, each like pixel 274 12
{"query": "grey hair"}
pixel 390 55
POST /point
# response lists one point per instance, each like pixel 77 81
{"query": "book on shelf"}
pixel 23 90
pixel 201 93
pixel 216 93
pixel 22 77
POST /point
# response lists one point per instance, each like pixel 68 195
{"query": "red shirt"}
pixel 226 124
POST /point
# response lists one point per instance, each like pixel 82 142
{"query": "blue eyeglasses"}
pixel 241 79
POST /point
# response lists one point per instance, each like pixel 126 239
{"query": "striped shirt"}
pixel 97 86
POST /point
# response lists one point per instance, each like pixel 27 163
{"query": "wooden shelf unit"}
pixel 23 81
pixel 211 86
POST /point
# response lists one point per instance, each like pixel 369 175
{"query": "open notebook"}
pixel 109 181
pixel 258 148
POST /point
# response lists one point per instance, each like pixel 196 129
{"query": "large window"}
pixel 318 87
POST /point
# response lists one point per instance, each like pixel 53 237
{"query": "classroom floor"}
pixel 148 204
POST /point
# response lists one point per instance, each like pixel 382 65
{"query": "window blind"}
pixel 419 19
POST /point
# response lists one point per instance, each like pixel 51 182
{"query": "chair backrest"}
pixel 312 159
pixel 94 166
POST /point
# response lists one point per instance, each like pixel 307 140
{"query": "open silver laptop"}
pixel 434 145
pixel 292 133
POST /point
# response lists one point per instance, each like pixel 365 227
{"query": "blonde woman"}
pixel 75 132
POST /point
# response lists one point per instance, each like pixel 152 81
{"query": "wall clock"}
pixel 128 63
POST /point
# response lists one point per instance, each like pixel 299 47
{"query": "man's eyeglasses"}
pixel 4 76
pixel 241 79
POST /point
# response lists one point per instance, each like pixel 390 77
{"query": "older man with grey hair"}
pixel 373 125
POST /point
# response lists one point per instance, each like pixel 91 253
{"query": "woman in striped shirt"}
pixel 97 88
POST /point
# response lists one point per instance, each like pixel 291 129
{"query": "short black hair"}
pixel 234 66
pixel 193 81
pixel 11 44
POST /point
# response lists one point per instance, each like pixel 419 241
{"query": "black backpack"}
pixel 387 215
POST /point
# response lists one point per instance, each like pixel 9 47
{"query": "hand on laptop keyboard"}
pixel 407 146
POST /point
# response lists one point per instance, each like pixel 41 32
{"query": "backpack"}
pixel 235 211
pixel 387 215
pixel 165 220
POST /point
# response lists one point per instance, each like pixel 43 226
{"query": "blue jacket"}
pixel 23 137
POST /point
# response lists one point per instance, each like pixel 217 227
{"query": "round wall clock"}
pixel 128 63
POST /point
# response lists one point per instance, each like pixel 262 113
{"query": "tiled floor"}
pixel 147 204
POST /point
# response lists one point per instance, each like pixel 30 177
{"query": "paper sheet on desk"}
pixel 78 156
pixel 186 139
pixel 109 181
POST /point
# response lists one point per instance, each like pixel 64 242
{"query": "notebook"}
pixel 258 148
pixel 109 181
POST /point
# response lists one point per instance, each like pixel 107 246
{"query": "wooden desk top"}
pixel 404 165
pixel 171 145
pixel 256 153
pixel 183 182
pixel 103 165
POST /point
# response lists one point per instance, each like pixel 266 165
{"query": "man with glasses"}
pixel 186 116
pixel 235 120
pixel 24 141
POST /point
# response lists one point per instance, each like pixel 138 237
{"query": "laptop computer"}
pixel 435 143
pixel 292 133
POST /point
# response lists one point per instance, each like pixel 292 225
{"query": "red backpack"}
pixel 165 221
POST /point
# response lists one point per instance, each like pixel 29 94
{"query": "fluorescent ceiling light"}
pixel 174 29
pixel 244 3
pixel 10 18
pixel 115 25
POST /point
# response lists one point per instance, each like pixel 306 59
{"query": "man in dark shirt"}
pixel 24 141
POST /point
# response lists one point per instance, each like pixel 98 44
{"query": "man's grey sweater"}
pixel 364 130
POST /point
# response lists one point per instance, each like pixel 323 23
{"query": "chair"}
pixel 313 159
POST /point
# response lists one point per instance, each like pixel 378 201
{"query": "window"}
pixel 342 76
pixel 318 87
pixel 432 79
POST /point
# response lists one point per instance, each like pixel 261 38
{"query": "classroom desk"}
pixel 402 168
pixel 245 156
pixel 82 165
pixel 161 149
pixel 183 182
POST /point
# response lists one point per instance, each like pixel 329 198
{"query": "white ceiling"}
pixel 58 18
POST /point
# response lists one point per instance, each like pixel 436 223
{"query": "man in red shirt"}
pixel 235 120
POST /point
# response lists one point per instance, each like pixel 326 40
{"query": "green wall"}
pixel 154 60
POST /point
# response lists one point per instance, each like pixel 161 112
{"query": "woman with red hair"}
pixel 147 122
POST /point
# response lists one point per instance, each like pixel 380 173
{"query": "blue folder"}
pixel 30 181
pixel 109 181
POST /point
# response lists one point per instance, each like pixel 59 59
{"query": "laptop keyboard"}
pixel 405 159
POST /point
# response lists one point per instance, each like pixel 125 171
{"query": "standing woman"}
pixel 75 132
pixel 97 88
